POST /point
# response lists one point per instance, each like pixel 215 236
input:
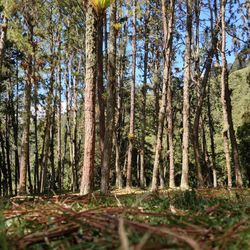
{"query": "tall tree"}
pixel 228 130
pixel 224 93
pixel 168 27
pixel 144 94
pixel 131 135
pixel 89 102
pixel 25 145
pixel 110 109
pixel 186 105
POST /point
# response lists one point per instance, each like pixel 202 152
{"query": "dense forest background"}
pixel 141 94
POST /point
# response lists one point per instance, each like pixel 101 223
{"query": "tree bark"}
pixel 224 82
pixel 211 135
pixel 131 135
pixel 89 102
pixel 110 103
pixel 197 77
pixel 24 162
pixel 234 144
pixel 144 95
pixel 120 107
pixel 3 36
pixel 168 21
pixel 100 87
pixel 186 105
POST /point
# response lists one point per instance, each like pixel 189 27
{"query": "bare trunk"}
pixel 89 102
pixel 120 107
pixel 211 134
pixel 100 87
pixel 234 145
pixel 59 127
pixel 3 36
pixel 168 21
pixel 24 162
pixel 144 97
pixel 224 81
pixel 132 102
pixel 197 78
pixel 47 136
pixel 26 133
pixel 170 134
pixel 110 103
pixel 186 108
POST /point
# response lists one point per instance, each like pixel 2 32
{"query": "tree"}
pixel 186 105
pixel 131 135
pixel 228 128
pixel 29 82
pixel 108 138
pixel 168 21
pixel 89 101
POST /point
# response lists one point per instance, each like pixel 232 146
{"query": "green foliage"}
pixel 101 5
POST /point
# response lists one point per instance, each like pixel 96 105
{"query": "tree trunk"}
pixel 110 103
pixel 100 87
pixel 59 127
pixel 3 165
pixel 234 145
pixel 224 93
pixel 197 78
pixel 168 26
pixel 131 135
pixel 47 135
pixel 89 102
pixel 170 124
pixel 186 108
pixel 211 135
pixel 3 36
pixel 144 96
pixel 26 133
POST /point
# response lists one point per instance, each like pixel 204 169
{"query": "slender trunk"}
pixel 24 162
pixel 156 80
pixel 69 83
pixel 26 132
pixel 75 131
pixel 52 143
pixel 119 111
pixel 59 127
pixel 110 103
pixel 7 135
pixel 207 163
pixel 170 134
pixel 3 36
pixel 234 144
pixel 100 86
pixel 89 102
pixel 196 146
pixel 47 135
pixel 186 108
pixel 3 165
pixel 224 81
pixel 211 134
pixel 36 165
pixel 14 121
pixel 168 26
pixel 144 96
pixel 132 102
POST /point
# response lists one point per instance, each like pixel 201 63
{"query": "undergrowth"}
pixel 203 219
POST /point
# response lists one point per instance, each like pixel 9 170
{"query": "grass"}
pixel 197 219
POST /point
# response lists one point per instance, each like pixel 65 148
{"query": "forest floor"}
pixel 198 219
